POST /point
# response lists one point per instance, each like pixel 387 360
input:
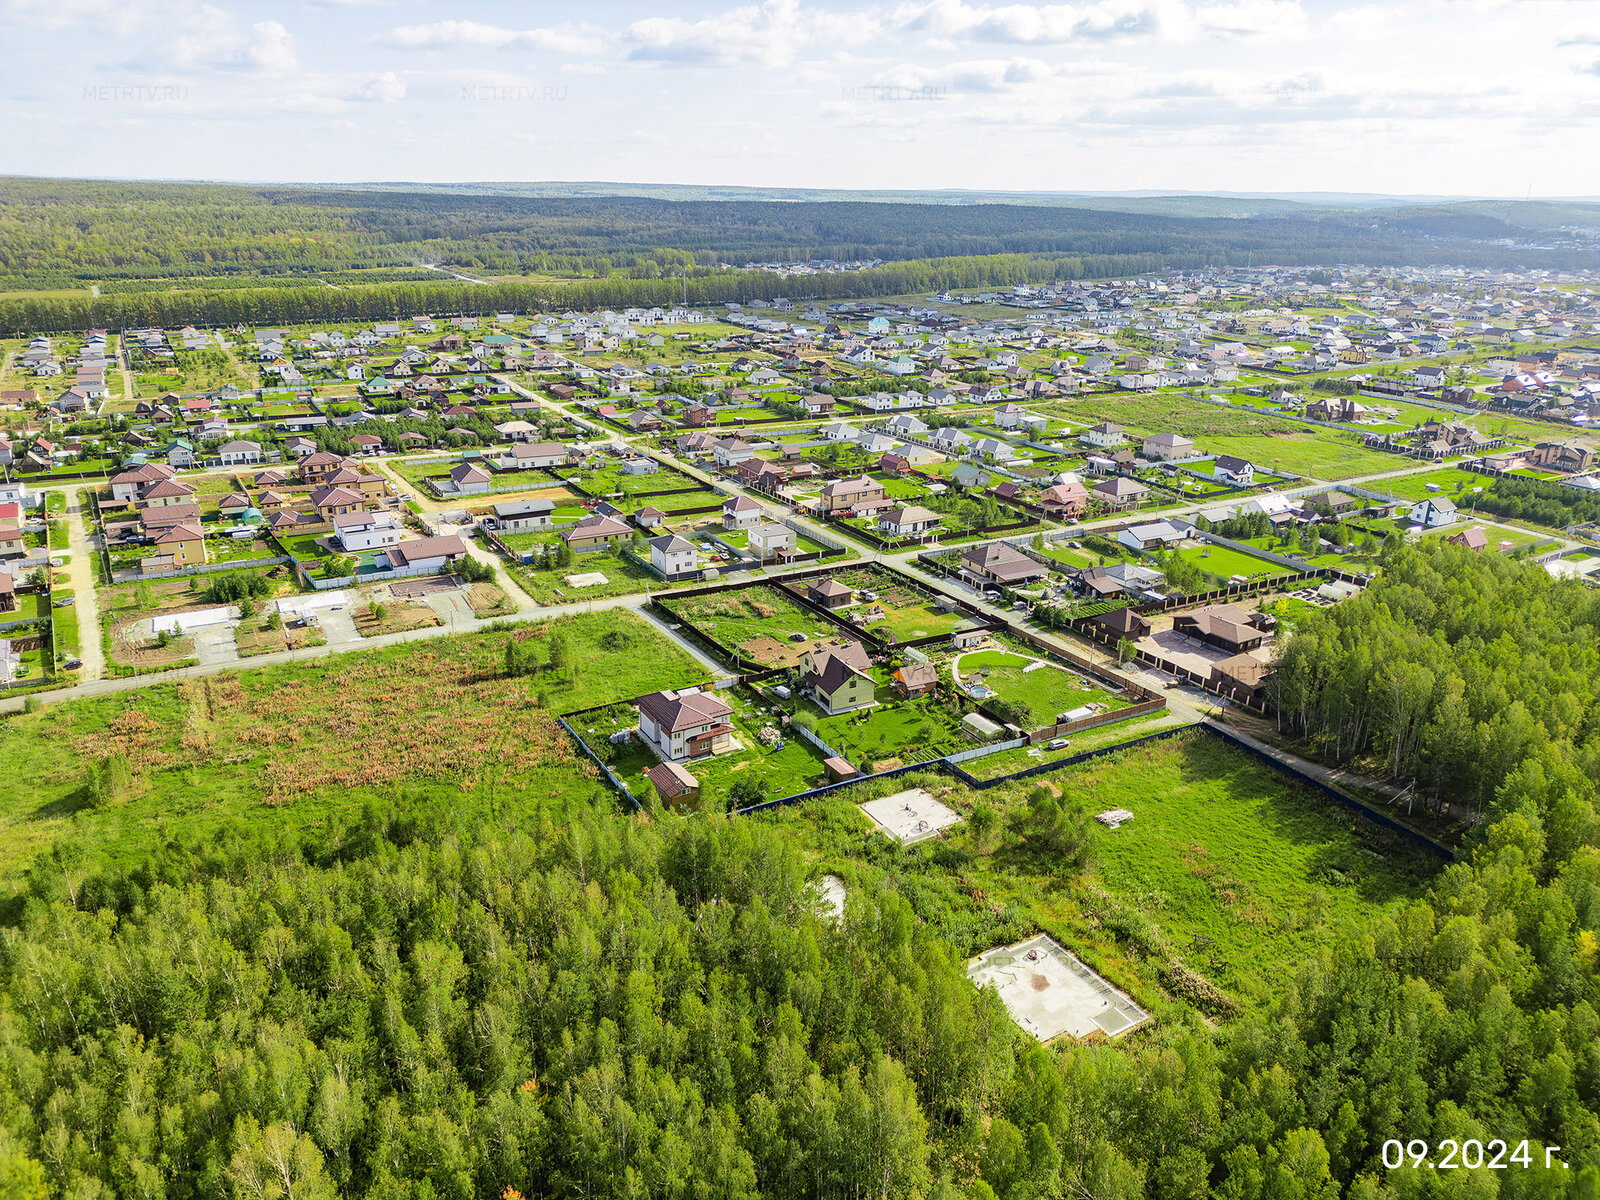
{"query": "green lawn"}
pixel 1045 691
pixel 736 617
pixel 1453 484
pixel 1226 563
pixel 1331 456
pixel 912 729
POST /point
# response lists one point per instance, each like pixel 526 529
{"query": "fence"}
pixel 1310 780
pixel 197 569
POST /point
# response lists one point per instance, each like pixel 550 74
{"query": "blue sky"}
pixel 1482 97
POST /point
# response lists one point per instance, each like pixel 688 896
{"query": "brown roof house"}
pixel 683 725
pixel 1222 625
pixel 839 678
pixel 830 593
pixel 1001 563
pixel 916 679
pixel 181 546
pixel 850 495
pixel 673 783
pixel 595 533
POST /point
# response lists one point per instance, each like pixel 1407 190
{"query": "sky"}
pixel 1469 97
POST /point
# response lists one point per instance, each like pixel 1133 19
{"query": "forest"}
pixel 1474 675
pixel 132 238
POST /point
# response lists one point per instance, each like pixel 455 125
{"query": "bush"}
pixel 32 704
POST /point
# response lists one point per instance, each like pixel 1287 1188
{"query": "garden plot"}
pixel 1049 992
pixel 1044 687
pixel 756 623
pixel 910 816
pixel 901 611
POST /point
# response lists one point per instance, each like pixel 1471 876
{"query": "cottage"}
pixel 595 533
pixel 236 454
pixel 1238 472
pixel 838 678
pixel 907 520
pixel 1121 623
pixel 1157 535
pixel 1163 447
pixel 182 546
pixel 1002 564
pixel 363 530
pixel 1104 436
pixel 916 679
pixel 1119 491
pixel 1223 625
pixel 830 593
pixel 469 479
pixel 1434 512
pixel 741 512
pixel 523 516
pixel 673 783
pixel 769 542
pixel 685 725
pixel 424 554
pixel 846 495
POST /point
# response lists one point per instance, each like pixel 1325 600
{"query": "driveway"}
pixel 215 644
pixel 338 625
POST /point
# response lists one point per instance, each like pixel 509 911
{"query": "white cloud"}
pixel 565 39
pixel 212 41
pixel 992 75
pixel 385 89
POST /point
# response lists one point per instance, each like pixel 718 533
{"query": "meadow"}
pixel 303 743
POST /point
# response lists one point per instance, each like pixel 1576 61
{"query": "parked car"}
pixel 66 602
pixel 1056 744
pixel 72 664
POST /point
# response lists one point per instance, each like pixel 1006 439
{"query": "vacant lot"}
pixel 1045 689
pixel 754 622
pixel 1225 562
pixel 1313 455
pixel 1450 482
pixel 307 743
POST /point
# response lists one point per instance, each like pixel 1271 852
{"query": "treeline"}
pixel 590 1005
pixel 1541 502
pixel 296 305
pixel 1475 675
pixel 92 230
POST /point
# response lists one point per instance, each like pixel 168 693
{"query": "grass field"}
pixel 1220 847
pixel 1045 690
pixel 307 743
pixel 1226 562
pixel 906 730
pixel 1315 455
pixel 1453 484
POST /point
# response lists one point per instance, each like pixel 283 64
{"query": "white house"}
pixel 839 432
pixel 1105 435
pixel 768 541
pixel 741 512
pixel 1434 512
pixel 1236 471
pixel 358 531
pixel 907 520
pixel 235 454
pixel 1158 535
pixel 673 556
pixel 523 516
pixel 684 725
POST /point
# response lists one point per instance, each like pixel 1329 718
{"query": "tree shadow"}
pixel 74 801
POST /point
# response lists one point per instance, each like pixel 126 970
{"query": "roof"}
pixel 852 487
pixel 835 666
pixel 671 780
pixel 909 514
pixel 421 549
pixel 918 675
pixel 1222 621
pixel 328 497
pixel 524 508
pixel 830 587
pixel 595 527
pixel 1002 561
pixel 672 544
pixel 180 533
pixel 676 711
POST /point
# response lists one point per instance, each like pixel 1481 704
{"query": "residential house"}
pixel 1434 512
pixel 673 557
pixel 685 725
pixel 424 554
pixel 523 516
pixel 237 454
pixel 363 530
pixel 1157 535
pixel 1238 472
pixel 673 783
pixel 167 491
pixel 769 542
pixel 1067 498
pixel 741 512
pixel 916 679
pixel 1163 447
pixel 907 520
pixel 838 677
pixel 1105 435
pixel 1119 492
pixel 179 546
pixel 1224 626
pixel 830 593
pixel 332 501
pixel 1000 563
pixel 1121 623
pixel 852 495
pixel 469 479
pixel 595 532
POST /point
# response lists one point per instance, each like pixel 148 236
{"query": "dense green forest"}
pixel 597 1006
pixel 1476 676
pixel 129 237
pixel 297 304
